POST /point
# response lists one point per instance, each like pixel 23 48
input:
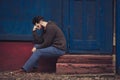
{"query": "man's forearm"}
pixel 37 46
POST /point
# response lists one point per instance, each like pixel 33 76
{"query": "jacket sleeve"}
pixel 48 38
pixel 37 39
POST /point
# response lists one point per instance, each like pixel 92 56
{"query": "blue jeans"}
pixel 45 52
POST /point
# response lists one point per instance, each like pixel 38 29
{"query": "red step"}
pixel 85 59
pixel 84 64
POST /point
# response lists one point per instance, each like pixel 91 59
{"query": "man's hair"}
pixel 36 19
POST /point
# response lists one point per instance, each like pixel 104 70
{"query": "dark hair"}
pixel 36 19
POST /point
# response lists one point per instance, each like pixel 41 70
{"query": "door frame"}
pixel 118 36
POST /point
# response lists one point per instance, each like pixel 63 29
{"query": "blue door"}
pixel 91 23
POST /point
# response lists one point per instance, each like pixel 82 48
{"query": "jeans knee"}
pixel 37 52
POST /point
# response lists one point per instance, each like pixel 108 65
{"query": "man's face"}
pixel 38 25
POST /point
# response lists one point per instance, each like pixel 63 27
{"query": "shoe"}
pixel 34 69
pixel 19 71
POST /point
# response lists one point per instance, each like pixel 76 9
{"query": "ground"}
pixel 54 76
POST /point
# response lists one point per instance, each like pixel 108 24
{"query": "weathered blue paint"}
pixel 91 23
pixel 16 18
pixel 118 36
pixel 87 24
pixel 66 21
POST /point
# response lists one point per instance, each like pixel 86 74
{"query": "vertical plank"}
pixel 118 36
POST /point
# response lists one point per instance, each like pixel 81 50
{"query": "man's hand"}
pixel 34 28
pixel 33 49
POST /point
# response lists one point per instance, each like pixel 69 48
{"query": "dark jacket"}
pixel 52 36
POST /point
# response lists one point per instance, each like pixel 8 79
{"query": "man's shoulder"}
pixel 52 24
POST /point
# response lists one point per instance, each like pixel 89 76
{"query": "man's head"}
pixel 37 19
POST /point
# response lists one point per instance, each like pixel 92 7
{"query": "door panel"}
pixel 91 23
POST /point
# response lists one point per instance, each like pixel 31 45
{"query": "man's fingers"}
pixel 34 28
pixel 34 49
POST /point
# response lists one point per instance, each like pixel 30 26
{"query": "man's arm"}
pixel 35 46
pixel 48 37
pixel 37 39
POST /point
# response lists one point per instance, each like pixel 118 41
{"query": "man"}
pixel 51 42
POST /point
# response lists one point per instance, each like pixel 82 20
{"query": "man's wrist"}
pixel 34 30
pixel 37 46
